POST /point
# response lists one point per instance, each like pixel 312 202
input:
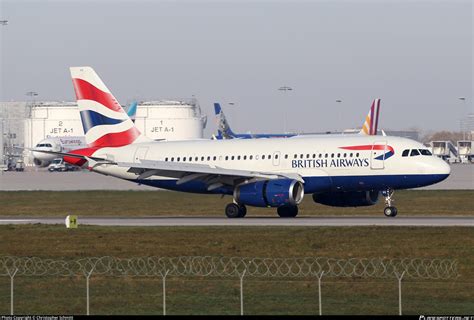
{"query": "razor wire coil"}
pixel 214 266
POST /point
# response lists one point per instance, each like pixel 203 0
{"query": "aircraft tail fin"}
pixel 132 111
pixel 223 128
pixel 372 120
pixel 104 121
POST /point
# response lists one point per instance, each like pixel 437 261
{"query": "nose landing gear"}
pixel 389 211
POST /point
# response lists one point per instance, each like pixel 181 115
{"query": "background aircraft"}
pixel 225 132
pixel 66 143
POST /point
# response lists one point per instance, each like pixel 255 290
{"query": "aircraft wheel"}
pixel 390 211
pixel 232 210
pixel 287 211
pixel 242 211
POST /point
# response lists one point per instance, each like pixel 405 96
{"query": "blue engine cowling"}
pixel 270 193
pixel 347 199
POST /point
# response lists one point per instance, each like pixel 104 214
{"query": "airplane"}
pixel 65 143
pixel 338 170
pixel 225 132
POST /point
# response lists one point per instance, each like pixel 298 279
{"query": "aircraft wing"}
pixel 214 176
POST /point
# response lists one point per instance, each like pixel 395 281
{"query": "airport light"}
pixel 339 113
pixel 284 89
pixel 463 121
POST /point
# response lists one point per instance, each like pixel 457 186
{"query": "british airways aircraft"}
pixel 225 132
pixel 338 170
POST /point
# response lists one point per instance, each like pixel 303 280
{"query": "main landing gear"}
pixel 233 210
pixel 287 211
pixel 389 211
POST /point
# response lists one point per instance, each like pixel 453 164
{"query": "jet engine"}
pixel 270 193
pixel 347 199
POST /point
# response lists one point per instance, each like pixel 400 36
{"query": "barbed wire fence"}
pixel 224 267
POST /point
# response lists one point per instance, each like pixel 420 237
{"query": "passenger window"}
pixel 184 158
pixel 357 154
pixel 345 155
pixel 226 158
pixel 326 155
pixel 177 159
pixel 232 158
pixel 414 153
pixel 250 157
pixel 286 156
pixel 214 158
pixel 256 157
pixel 202 158
pixel 269 156
pixel 238 157
pixel 276 156
pixel 263 157
pixel 307 156
pixel 172 159
pixel 405 153
pixel 320 155
pixel 196 159
pixel 338 155
pixel 166 159
pixel 332 155
pixel 351 155
pixel 301 156
pixel 245 157
pixel 296 156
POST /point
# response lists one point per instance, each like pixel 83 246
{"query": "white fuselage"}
pixel 324 162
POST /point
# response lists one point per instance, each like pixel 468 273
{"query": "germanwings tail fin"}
pixel 372 120
pixel 223 128
pixel 104 121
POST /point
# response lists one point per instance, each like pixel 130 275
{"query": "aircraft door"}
pixel 377 156
pixel 276 158
pixel 140 153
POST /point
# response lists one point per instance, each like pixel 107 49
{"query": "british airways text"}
pixel 334 163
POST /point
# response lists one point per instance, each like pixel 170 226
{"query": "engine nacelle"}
pixel 41 163
pixel 347 199
pixel 270 193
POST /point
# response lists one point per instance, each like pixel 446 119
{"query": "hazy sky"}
pixel 415 55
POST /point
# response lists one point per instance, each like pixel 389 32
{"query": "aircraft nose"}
pixel 443 168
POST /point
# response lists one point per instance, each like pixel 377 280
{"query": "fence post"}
pixel 400 277
pixel 88 275
pixel 242 292
pixel 164 291
pixel 320 276
pixel 12 276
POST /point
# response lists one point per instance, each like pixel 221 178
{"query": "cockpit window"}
pixel 405 152
pixel 425 152
pixel 414 152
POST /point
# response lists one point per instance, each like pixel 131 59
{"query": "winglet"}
pixel 371 121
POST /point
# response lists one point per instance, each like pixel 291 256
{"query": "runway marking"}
pixel 258 221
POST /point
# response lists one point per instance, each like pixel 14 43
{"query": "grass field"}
pixel 157 203
pixel 221 296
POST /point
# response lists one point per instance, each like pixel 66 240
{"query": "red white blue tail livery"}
pixel 104 121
